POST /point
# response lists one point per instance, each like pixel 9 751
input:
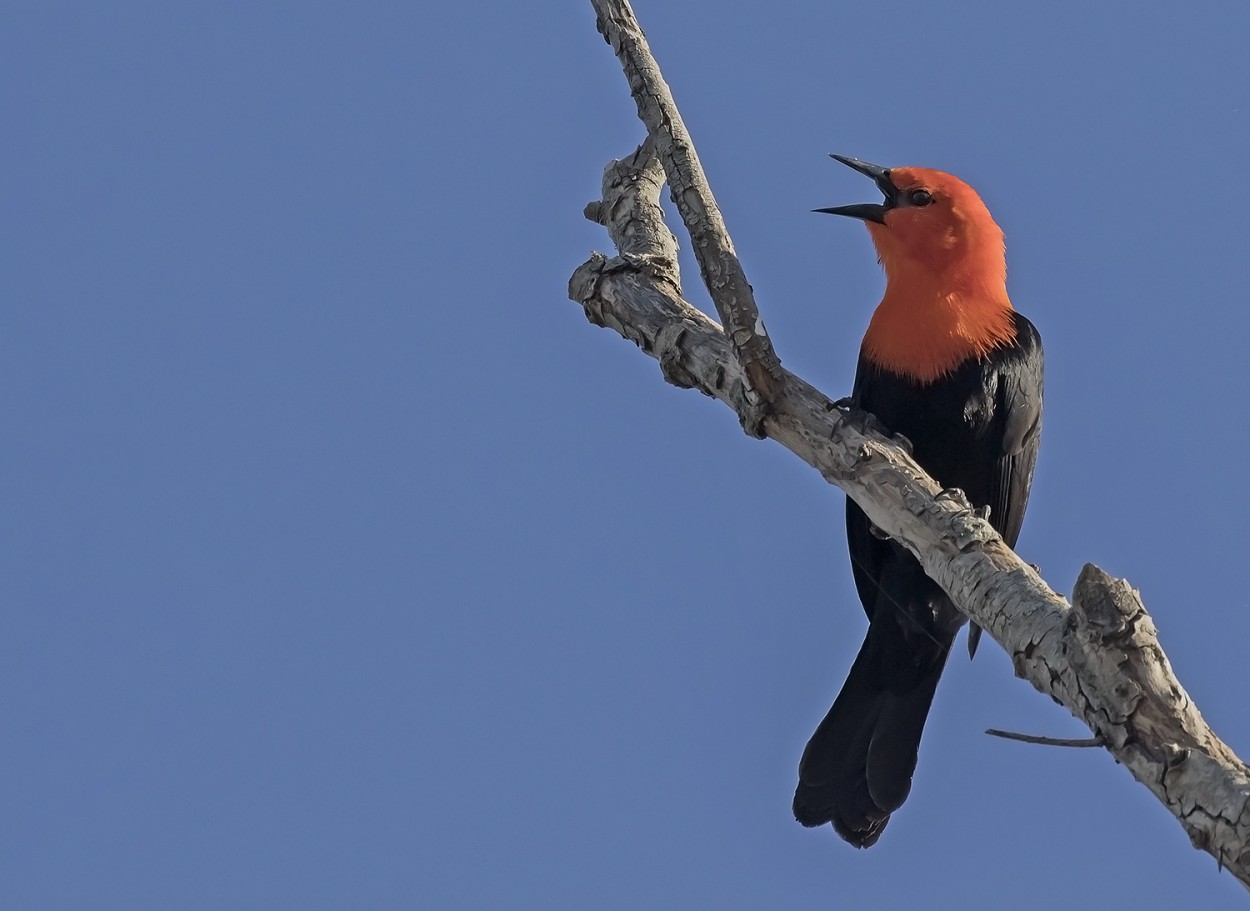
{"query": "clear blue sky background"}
pixel 347 566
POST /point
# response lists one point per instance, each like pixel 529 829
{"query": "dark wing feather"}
pixel 1018 414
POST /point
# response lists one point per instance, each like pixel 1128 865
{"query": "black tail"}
pixel 857 767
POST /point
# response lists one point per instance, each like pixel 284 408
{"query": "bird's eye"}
pixel 920 197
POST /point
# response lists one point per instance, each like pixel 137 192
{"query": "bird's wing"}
pixel 1019 408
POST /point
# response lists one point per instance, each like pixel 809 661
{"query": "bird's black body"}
pixel 975 428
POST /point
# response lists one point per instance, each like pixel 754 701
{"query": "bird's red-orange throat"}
pixel 948 364
pixel 946 279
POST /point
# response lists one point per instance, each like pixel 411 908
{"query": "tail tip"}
pixel 862 834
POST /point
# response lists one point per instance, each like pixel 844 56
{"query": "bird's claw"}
pixel 904 442
pixel 877 533
pixel 955 495
pixel 863 421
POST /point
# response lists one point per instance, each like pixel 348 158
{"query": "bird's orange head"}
pixel 946 270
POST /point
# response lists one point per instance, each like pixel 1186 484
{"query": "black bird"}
pixel 949 364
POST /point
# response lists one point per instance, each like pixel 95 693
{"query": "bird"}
pixel 952 367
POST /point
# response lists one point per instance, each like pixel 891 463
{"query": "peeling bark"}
pixel 1099 656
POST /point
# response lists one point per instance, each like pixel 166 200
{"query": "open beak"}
pixel 867 211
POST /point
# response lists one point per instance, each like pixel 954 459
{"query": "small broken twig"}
pixel 1047 741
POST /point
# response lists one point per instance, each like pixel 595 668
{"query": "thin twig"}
pixel 1047 741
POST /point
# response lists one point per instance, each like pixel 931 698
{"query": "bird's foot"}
pixel 863 421
pixel 955 495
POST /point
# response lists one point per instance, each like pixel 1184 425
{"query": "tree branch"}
pixel 1099 656
pixel 1046 741
pixel 691 194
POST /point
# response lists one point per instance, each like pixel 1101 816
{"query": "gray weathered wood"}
pixel 722 272
pixel 1099 657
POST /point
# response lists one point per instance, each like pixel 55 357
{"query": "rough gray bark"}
pixel 1098 656
pixel 722 272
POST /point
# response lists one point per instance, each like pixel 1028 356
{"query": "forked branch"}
pixel 714 251
pixel 1099 656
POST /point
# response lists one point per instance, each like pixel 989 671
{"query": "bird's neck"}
pixel 929 324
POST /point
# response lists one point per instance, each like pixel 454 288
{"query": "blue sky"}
pixel 346 565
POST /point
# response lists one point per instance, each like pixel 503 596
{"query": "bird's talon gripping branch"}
pixel 956 374
pixel 864 422
pixel 842 404
pixel 954 495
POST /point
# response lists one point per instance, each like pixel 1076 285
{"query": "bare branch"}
pixel 1046 741
pixel 718 263
pixel 1099 657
